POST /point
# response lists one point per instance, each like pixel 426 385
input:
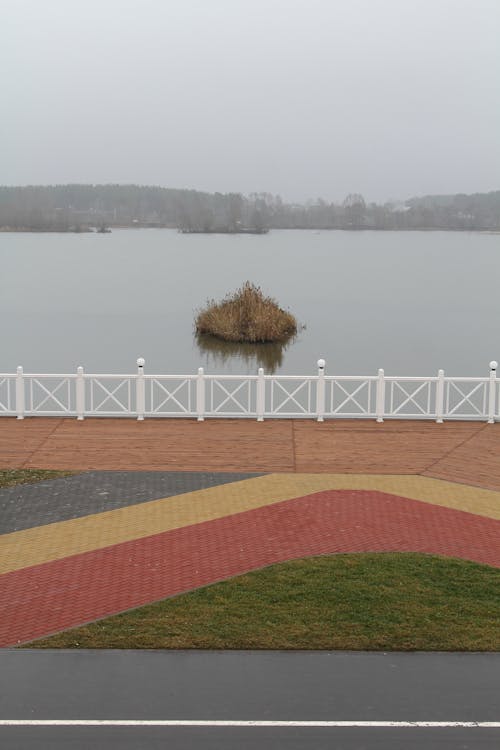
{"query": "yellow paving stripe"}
pixel 55 541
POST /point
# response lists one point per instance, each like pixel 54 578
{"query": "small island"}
pixel 226 230
pixel 246 316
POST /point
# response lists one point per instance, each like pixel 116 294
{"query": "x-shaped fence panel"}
pixel 231 396
pixel 7 394
pixel 171 395
pixel 411 398
pixel 110 395
pixel 50 395
pixel 350 397
pixel 466 398
pixel 290 396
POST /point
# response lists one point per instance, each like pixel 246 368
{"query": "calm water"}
pixel 410 302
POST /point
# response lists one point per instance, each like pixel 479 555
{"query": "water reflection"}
pixel 268 356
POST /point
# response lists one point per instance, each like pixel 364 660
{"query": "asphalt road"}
pixel 310 687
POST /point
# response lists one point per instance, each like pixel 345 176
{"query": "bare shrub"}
pixel 246 316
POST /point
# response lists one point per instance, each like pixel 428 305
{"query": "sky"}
pixel 302 98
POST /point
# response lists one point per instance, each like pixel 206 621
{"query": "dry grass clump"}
pixel 246 316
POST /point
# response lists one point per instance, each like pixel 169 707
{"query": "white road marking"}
pixel 237 723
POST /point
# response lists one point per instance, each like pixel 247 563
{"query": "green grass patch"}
pixel 362 601
pixel 11 477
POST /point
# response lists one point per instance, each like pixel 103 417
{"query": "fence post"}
pixel 20 393
pixel 80 394
pixel 380 403
pixel 492 393
pixel 440 397
pixel 261 395
pixel 320 392
pixel 140 390
pixel 200 395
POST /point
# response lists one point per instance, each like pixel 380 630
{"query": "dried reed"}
pixel 246 316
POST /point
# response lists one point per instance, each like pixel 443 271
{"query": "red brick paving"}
pixel 464 451
pixel 58 595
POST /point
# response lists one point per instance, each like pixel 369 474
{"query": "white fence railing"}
pixel 259 396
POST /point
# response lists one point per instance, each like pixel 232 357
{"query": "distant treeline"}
pixel 83 207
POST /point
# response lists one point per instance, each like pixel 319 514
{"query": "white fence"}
pixel 259 396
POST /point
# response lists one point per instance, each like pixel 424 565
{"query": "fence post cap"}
pixel 321 364
pixel 440 373
pixel 141 362
pixel 79 370
pixel 261 371
pixel 493 365
pixel 19 370
pixel 380 372
pixel 200 370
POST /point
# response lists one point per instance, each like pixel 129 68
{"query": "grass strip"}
pixel 12 477
pixel 376 601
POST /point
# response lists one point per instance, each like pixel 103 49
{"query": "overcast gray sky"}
pixel 306 98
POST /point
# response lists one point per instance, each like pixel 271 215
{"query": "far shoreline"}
pixel 25 230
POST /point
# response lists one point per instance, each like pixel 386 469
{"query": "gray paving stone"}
pixel 29 505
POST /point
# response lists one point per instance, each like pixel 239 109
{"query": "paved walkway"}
pixel 467 452
pixel 81 548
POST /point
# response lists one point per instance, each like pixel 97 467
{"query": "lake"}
pixel 410 302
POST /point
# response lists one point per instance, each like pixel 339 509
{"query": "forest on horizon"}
pixel 86 207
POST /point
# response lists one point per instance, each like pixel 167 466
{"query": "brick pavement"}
pixel 157 536
pixel 467 452
pixel 27 505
